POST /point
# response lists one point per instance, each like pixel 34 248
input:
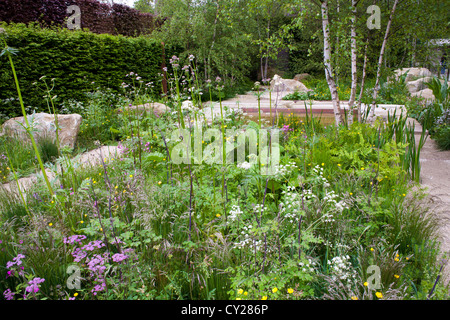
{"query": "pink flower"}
pixel 8 294
pixel 34 285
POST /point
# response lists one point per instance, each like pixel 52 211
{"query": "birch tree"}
pixel 354 62
pixel 380 63
pixel 329 74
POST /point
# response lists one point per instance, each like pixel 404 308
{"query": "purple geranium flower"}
pixel 34 285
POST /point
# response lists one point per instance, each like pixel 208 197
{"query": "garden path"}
pixel 435 176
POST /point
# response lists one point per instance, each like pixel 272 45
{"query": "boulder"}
pixel 413 73
pixel 44 126
pixel 427 94
pixel 156 107
pixel 301 76
pixel 418 85
pixel 288 85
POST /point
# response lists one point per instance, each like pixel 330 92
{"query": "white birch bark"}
pixel 380 63
pixel 327 62
pixel 351 102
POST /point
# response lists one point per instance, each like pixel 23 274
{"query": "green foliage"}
pixel 79 62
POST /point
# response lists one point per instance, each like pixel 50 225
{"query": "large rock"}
pixel 301 76
pixel 418 85
pixel 44 125
pixel 413 73
pixel 288 85
pixel 426 94
pixel 155 107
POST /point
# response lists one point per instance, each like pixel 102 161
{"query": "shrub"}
pixel 79 61
pixel 96 16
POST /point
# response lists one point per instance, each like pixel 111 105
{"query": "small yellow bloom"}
pixel 366 284
pixel 81 221
pixel 159 182
pixel 101 229
pixel 240 291
pixel 323 164
pixel 362 168
pixel 274 290
pixel 371 249
pixel 354 298
pixel 339 164
pixel 396 259
pixel 290 290
pixel 379 295
pixel 396 276
pixel 131 176
pixel 264 298
pixel 50 224
pixel 75 294
pixel 245 293
pixel 351 193
pixel 218 215
pixel 238 299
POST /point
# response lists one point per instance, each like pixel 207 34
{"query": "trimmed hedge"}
pixel 75 59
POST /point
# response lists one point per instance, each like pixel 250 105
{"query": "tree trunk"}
pixel 354 64
pixel 327 62
pixel 363 79
pixel 380 63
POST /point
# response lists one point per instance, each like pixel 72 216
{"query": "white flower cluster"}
pixel 286 169
pixel 291 204
pixel 234 213
pixel 336 206
pixel 248 241
pixel 244 165
pixel 341 268
pixel 309 266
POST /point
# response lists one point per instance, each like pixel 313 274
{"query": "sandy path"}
pixel 435 176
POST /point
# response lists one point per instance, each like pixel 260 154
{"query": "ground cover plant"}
pixel 341 203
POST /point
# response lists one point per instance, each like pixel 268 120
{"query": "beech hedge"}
pixel 76 59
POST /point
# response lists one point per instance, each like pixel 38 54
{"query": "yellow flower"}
pixel 290 290
pixel 396 259
pixel 362 168
pixel 274 290
pixel 238 299
pixel 75 294
pixel 218 215
pixel 264 298
pixel 354 298
pixel 50 224
pixel 131 176
pixel 101 229
pixel 240 291
pixel 371 249
pixel 351 193
pixel 159 182
pixel 379 295
pixel 245 293
pixel 339 164
pixel 366 284
pixel 81 221
pixel 396 276
pixel 323 164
